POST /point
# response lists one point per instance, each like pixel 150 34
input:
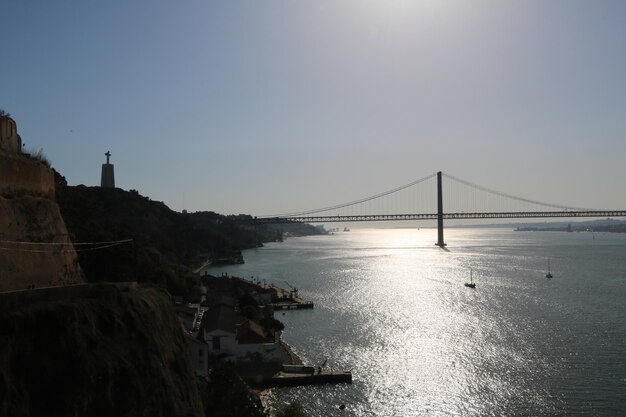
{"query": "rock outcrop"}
pixel 35 248
pixel 94 350
pixel 34 245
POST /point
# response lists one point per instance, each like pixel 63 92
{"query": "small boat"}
pixel 471 284
pixel 549 274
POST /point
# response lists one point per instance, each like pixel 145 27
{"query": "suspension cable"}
pixel 501 194
pixel 352 203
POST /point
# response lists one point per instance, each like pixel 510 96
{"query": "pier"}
pixel 296 304
pixel 287 299
pixel 284 379
pixel 266 375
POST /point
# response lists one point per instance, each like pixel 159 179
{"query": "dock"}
pixel 295 305
pixel 288 300
pixel 273 375
pixel 283 379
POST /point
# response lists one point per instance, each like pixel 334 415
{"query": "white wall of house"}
pixel 199 355
pixel 228 345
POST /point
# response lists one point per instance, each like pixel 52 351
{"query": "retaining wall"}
pixel 20 175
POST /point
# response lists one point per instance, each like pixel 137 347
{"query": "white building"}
pixel 199 355
pixel 234 337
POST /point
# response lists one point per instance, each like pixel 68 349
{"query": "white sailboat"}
pixel 471 284
pixel 549 274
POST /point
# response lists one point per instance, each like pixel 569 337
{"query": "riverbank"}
pixel 289 356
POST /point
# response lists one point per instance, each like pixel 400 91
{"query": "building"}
pixel 10 141
pixel 199 355
pixel 234 337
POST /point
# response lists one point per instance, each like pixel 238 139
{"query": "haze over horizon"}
pixel 272 107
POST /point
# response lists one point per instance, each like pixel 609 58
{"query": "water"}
pixel 391 307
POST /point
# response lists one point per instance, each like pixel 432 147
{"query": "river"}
pixel 392 307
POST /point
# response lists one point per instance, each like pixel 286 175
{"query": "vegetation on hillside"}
pixel 37 155
pixel 166 245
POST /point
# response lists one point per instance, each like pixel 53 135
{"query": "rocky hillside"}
pixel 94 350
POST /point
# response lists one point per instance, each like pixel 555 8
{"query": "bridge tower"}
pixel 440 241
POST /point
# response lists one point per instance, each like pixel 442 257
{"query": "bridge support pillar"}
pixel 440 241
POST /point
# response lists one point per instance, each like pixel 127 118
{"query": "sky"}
pixel 265 107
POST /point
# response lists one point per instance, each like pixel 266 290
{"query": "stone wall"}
pixel 35 248
pixel 20 175
pixel 10 141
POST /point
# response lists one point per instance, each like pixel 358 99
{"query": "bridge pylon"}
pixel 440 241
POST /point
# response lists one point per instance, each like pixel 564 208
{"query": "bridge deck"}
pixel 433 216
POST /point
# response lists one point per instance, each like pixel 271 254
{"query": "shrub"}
pixel 38 156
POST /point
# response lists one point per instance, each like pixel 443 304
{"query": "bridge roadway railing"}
pixel 433 216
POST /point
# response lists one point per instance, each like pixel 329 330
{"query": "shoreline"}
pixel 289 356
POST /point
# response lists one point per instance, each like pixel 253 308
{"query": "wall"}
pixel 230 346
pixel 10 141
pixel 20 175
pixel 35 248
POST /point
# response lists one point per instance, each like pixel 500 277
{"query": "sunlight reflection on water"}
pixel 391 307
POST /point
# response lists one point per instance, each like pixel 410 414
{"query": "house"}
pixel 218 329
pixel 250 333
pixel 228 334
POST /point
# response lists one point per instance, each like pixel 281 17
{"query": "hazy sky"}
pixel 265 107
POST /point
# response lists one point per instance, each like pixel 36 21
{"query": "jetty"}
pixel 295 304
pixel 268 374
pixel 285 379
pixel 287 299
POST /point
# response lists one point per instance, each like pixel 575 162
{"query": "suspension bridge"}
pixel 424 200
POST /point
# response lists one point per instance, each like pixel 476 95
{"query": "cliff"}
pixel 21 175
pixel 34 244
pixel 94 350
pixel 34 220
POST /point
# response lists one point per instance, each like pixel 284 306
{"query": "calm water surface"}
pixel 391 307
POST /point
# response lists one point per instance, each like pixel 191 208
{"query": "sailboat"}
pixel 471 284
pixel 549 274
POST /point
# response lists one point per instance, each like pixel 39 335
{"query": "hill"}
pixel 166 245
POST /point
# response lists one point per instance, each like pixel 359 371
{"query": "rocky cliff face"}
pixel 93 350
pixel 34 245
